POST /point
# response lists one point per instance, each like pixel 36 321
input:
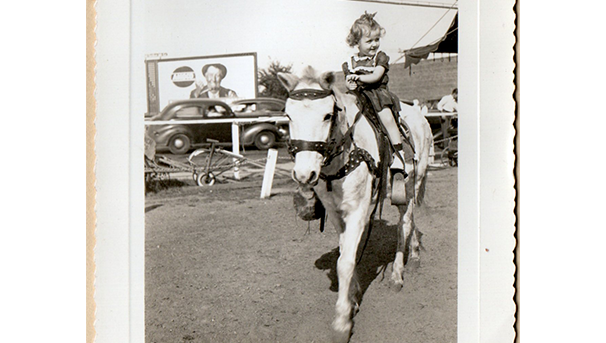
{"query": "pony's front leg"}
pixel 349 240
pixel 406 239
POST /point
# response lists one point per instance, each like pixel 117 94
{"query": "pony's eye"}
pixel 328 117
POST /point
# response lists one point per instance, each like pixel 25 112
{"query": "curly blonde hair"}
pixel 363 26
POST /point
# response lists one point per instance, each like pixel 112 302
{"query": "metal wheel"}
pixel 444 157
pixel 149 177
pixel 206 179
pixel 454 159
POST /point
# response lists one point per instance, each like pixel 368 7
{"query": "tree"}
pixel 268 80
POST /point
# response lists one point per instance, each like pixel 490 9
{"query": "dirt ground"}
pixel 222 265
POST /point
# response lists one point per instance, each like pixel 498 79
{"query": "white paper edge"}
pixel 485 305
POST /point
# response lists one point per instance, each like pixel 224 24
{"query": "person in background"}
pixel 448 103
pixel 213 73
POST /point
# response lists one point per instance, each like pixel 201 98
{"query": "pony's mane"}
pixel 309 75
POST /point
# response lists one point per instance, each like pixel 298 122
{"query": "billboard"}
pixel 217 76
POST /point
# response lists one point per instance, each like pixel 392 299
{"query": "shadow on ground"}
pixel 379 253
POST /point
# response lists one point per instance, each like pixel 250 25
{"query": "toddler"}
pixel 367 72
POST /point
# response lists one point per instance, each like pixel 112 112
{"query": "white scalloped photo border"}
pixel 486 180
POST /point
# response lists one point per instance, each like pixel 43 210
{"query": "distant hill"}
pixel 427 81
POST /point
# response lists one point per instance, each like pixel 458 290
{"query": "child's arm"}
pixel 350 82
pixel 375 77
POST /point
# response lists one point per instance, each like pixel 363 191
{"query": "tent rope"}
pixel 431 28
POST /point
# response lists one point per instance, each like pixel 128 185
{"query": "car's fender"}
pixel 248 134
pixel 163 134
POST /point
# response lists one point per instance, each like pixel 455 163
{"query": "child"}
pixel 367 70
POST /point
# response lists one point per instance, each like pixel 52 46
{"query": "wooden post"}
pixel 268 176
pixel 235 144
pixel 445 123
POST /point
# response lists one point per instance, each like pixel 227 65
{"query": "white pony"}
pixel 422 138
pixel 337 157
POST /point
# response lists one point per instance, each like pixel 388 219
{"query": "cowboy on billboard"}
pixel 214 73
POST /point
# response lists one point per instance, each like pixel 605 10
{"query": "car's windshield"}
pixel 258 106
pixel 272 106
pixel 199 111
pixel 189 112
pixel 216 112
pixel 245 107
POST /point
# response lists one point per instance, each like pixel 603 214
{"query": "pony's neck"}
pixel 364 135
pixel 338 135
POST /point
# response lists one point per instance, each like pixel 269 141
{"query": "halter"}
pixel 326 149
pixel 309 93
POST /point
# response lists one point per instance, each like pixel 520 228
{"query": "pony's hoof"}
pixel 414 264
pixel 341 336
pixel 341 331
pixel 355 310
pixel 396 287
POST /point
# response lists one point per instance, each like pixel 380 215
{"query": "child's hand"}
pixel 350 81
pixel 352 78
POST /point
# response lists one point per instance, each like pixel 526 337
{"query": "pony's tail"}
pixel 421 192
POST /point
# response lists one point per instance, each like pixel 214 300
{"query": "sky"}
pixel 310 32
pixel 292 32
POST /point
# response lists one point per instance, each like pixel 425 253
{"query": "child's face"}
pixel 369 44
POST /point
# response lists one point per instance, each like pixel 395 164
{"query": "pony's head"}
pixel 312 113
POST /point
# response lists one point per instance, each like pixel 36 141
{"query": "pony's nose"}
pixel 310 179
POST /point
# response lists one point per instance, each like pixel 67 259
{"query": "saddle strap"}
pixel 405 132
pixel 356 157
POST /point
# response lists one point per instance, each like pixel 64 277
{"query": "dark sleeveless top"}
pixel 378 92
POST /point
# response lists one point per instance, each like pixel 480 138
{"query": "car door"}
pixel 193 112
pixel 220 131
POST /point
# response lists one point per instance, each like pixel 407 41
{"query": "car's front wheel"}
pixel 179 144
pixel 265 140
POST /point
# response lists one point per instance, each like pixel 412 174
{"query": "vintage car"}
pixel 264 136
pixel 180 138
pixel 258 107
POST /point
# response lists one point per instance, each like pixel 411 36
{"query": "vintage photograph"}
pixel 357 238
pixel 294 173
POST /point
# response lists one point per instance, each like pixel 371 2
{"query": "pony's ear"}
pixel 336 93
pixel 289 81
pixel 424 111
pixel 326 80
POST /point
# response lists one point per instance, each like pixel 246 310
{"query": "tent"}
pixel 449 43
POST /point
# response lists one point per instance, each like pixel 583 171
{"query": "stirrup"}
pixel 397 163
pixel 398 187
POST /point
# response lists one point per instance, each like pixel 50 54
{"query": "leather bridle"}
pixel 327 149
pixel 333 148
